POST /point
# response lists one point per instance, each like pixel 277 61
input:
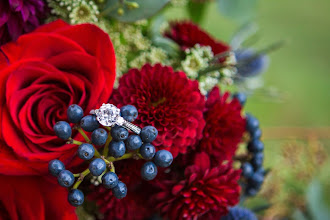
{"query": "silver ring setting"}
pixel 109 115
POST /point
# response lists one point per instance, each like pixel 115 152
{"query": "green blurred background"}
pixel 300 70
pixel 297 121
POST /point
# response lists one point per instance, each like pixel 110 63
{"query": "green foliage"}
pixel 315 201
pixel 129 11
pixel 158 40
pixel 239 10
pixel 168 45
pixel 196 10
pixel 316 207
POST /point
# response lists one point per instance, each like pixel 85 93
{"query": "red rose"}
pixel 26 198
pixel 41 74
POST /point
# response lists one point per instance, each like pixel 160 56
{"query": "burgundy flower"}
pixel 133 206
pixel 18 17
pixel 204 192
pixel 167 100
pixel 188 34
pixel 224 126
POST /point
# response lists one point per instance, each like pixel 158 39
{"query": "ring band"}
pixel 109 115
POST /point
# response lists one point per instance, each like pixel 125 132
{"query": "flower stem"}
pixel 81 178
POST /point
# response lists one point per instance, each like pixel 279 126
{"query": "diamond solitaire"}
pixel 109 115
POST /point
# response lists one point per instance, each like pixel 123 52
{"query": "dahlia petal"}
pixel 176 189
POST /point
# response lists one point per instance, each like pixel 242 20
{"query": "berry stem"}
pixel 242 157
pixel 105 160
pixel 81 178
pixel 72 141
pixel 126 156
pixel 99 178
pixel 112 167
pixel 107 143
pixel 84 135
pixel 97 153
pixel 76 174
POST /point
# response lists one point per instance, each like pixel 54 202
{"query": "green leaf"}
pixel 155 25
pixel 196 11
pixel 298 215
pixel 315 201
pixel 146 9
pixel 239 10
pixel 172 49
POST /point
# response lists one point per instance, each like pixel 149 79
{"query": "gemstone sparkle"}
pixel 107 114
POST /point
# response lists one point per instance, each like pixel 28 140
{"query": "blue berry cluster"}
pixel 118 144
pixel 239 213
pixel 252 170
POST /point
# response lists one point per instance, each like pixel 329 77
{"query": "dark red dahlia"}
pixel 133 206
pixel 204 192
pixel 188 34
pixel 167 100
pixel 18 17
pixel 224 127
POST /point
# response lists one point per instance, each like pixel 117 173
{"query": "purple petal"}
pixel 25 13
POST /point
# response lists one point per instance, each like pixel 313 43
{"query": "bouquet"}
pixel 111 108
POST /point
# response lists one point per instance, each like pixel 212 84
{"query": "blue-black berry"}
pixel 256 180
pixel 120 191
pixel 255 146
pixel 147 151
pixel 256 134
pixel 148 134
pixel 86 151
pixel 250 191
pixel 148 171
pixel 239 213
pixel 75 113
pixel 97 167
pixel 89 123
pixel 163 158
pixel 133 142
pixel 76 197
pixel 63 130
pixel 110 180
pixel 241 97
pixel 247 170
pixel 252 123
pixel 55 167
pixel 119 133
pixel 129 112
pixel 257 160
pixel 99 137
pixel 117 149
pixel 65 178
